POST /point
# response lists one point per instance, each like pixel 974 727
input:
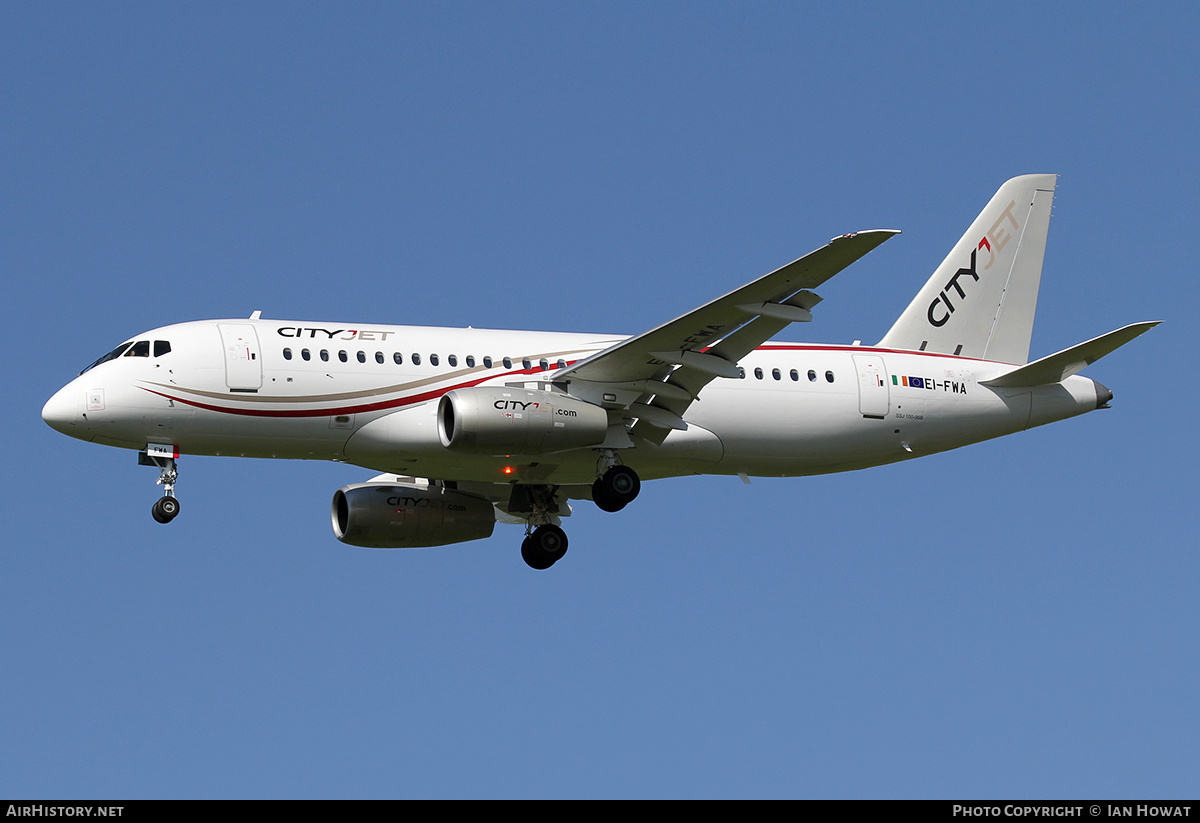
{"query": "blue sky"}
pixel 1014 619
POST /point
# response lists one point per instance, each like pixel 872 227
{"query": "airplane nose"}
pixel 63 412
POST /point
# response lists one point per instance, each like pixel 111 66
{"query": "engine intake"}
pixel 500 420
pixel 402 516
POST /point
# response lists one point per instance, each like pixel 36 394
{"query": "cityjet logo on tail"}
pixel 995 240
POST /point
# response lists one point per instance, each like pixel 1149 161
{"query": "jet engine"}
pixel 403 516
pixel 500 420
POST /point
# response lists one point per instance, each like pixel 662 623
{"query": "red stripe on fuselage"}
pixel 365 407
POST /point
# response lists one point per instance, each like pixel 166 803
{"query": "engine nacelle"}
pixel 400 516
pixel 499 420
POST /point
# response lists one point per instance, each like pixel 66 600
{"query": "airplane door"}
pixel 873 399
pixel 243 367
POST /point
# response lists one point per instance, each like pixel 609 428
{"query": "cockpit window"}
pixel 161 347
pixel 139 349
pixel 112 355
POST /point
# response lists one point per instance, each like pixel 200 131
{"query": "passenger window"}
pixel 508 362
pixel 741 373
pixel 287 354
pixel 452 360
pixel 379 357
pixel 325 355
pixel 433 359
pixel 795 375
pixel 775 373
pixel 487 362
pixel 758 374
pixel 812 376
pixel 545 364
pixel 398 359
pixel 342 356
pixel 562 364
pixel 471 361
pixel 161 347
pixel 140 349
pixel 416 358
pixel 828 377
pixel 526 365
pixel 362 357
pixel 304 354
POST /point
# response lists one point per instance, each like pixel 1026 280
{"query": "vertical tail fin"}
pixel 981 300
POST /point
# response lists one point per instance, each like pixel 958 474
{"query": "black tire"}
pixel 618 488
pixel 533 556
pixel 165 509
pixel 552 540
pixel 600 497
pixel 544 547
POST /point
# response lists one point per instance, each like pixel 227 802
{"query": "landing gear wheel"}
pixel 601 499
pixel 534 557
pixel 616 489
pixel 165 509
pixel 544 547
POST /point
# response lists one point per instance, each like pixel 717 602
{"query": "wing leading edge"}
pixel 667 366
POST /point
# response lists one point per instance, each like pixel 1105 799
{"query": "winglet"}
pixel 1058 367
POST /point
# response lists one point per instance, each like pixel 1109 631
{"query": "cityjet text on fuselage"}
pixel 318 333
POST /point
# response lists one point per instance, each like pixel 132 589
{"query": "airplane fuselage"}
pixel 368 395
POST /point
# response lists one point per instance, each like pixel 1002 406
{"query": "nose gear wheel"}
pixel 165 509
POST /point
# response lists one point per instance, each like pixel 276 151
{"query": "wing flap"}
pixel 732 348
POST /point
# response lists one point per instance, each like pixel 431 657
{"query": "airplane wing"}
pixel 668 365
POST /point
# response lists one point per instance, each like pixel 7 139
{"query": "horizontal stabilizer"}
pixel 1058 367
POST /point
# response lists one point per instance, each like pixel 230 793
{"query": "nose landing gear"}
pixel 167 507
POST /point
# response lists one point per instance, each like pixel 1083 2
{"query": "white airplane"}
pixel 471 426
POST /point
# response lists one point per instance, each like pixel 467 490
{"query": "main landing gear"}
pixel 544 546
pixel 167 507
pixel 616 488
pixel 545 542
